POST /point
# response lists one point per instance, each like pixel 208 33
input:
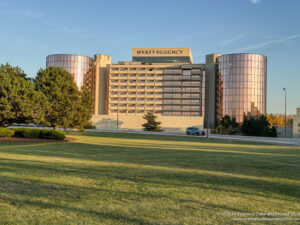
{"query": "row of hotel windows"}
pixel 183 83
pixel 167 99
pixel 181 107
pixel 135 69
pixel 137 87
pixel 135 75
pixel 165 95
pixel 134 111
pixel 136 82
pixel 181 113
pixel 114 111
pixel 173 77
pixel 164 102
pixel 136 99
pixel 136 93
pixel 135 105
pixel 182 89
pixel 178 95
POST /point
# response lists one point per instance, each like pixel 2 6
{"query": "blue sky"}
pixel 31 30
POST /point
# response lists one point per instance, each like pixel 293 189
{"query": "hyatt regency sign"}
pixel 160 52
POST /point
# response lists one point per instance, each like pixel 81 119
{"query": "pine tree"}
pixel 151 124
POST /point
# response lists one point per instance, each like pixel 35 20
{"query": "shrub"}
pixel 27 133
pixel 258 127
pixel 5 132
pixel 52 134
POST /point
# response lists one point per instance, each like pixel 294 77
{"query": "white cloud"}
pixel 267 43
pixel 232 40
pixel 22 13
pixel 255 1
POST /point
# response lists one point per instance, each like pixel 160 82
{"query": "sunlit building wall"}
pixel 241 86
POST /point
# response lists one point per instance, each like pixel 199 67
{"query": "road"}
pixel 267 140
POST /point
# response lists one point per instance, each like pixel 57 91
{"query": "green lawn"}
pixel 105 178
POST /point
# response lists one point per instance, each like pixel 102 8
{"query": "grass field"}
pixel 105 178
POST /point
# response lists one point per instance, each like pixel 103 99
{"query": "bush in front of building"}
pixel 38 133
pixel 258 127
pixel 6 133
pixel 52 134
pixel 27 133
pixel 228 125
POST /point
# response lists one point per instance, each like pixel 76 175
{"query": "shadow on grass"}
pixel 146 176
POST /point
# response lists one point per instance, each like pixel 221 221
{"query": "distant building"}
pixel 166 82
pixel 296 124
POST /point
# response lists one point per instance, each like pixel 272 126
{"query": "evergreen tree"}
pixel 151 124
pixel 69 107
pixel 228 125
pixel 19 101
pixel 258 127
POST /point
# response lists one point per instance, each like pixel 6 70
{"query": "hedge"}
pixel 52 134
pixel 5 132
pixel 27 133
pixel 39 133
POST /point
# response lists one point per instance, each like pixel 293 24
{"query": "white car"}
pixel 194 131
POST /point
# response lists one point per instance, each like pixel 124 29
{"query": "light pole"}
pixel 284 111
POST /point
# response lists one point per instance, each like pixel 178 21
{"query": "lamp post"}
pixel 284 111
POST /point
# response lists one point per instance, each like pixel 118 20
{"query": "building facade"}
pixel 165 81
pixel 241 86
pixel 296 124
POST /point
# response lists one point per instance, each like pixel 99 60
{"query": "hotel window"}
pixel 186 73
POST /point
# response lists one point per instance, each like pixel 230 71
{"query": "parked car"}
pixel 194 131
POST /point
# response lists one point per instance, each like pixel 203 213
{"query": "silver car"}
pixel 194 131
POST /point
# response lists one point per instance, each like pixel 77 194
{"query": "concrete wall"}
pixel 100 83
pixel 175 124
pixel 296 124
pixel 281 132
pixel 210 92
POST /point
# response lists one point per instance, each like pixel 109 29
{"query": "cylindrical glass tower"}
pixel 81 67
pixel 241 86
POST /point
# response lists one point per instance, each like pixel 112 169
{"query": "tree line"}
pixel 51 99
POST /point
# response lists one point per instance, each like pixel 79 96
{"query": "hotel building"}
pixel 166 82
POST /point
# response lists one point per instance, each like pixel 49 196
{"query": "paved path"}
pixel 268 140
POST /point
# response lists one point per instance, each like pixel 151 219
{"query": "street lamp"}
pixel 284 111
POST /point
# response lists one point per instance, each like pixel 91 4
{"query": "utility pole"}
pixel 285 123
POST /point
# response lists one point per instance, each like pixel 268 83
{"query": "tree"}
pixel 151 124
pixel 19 101
pixel 258 127
pixel 69 107
pixel 275 120
pixel 228 125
